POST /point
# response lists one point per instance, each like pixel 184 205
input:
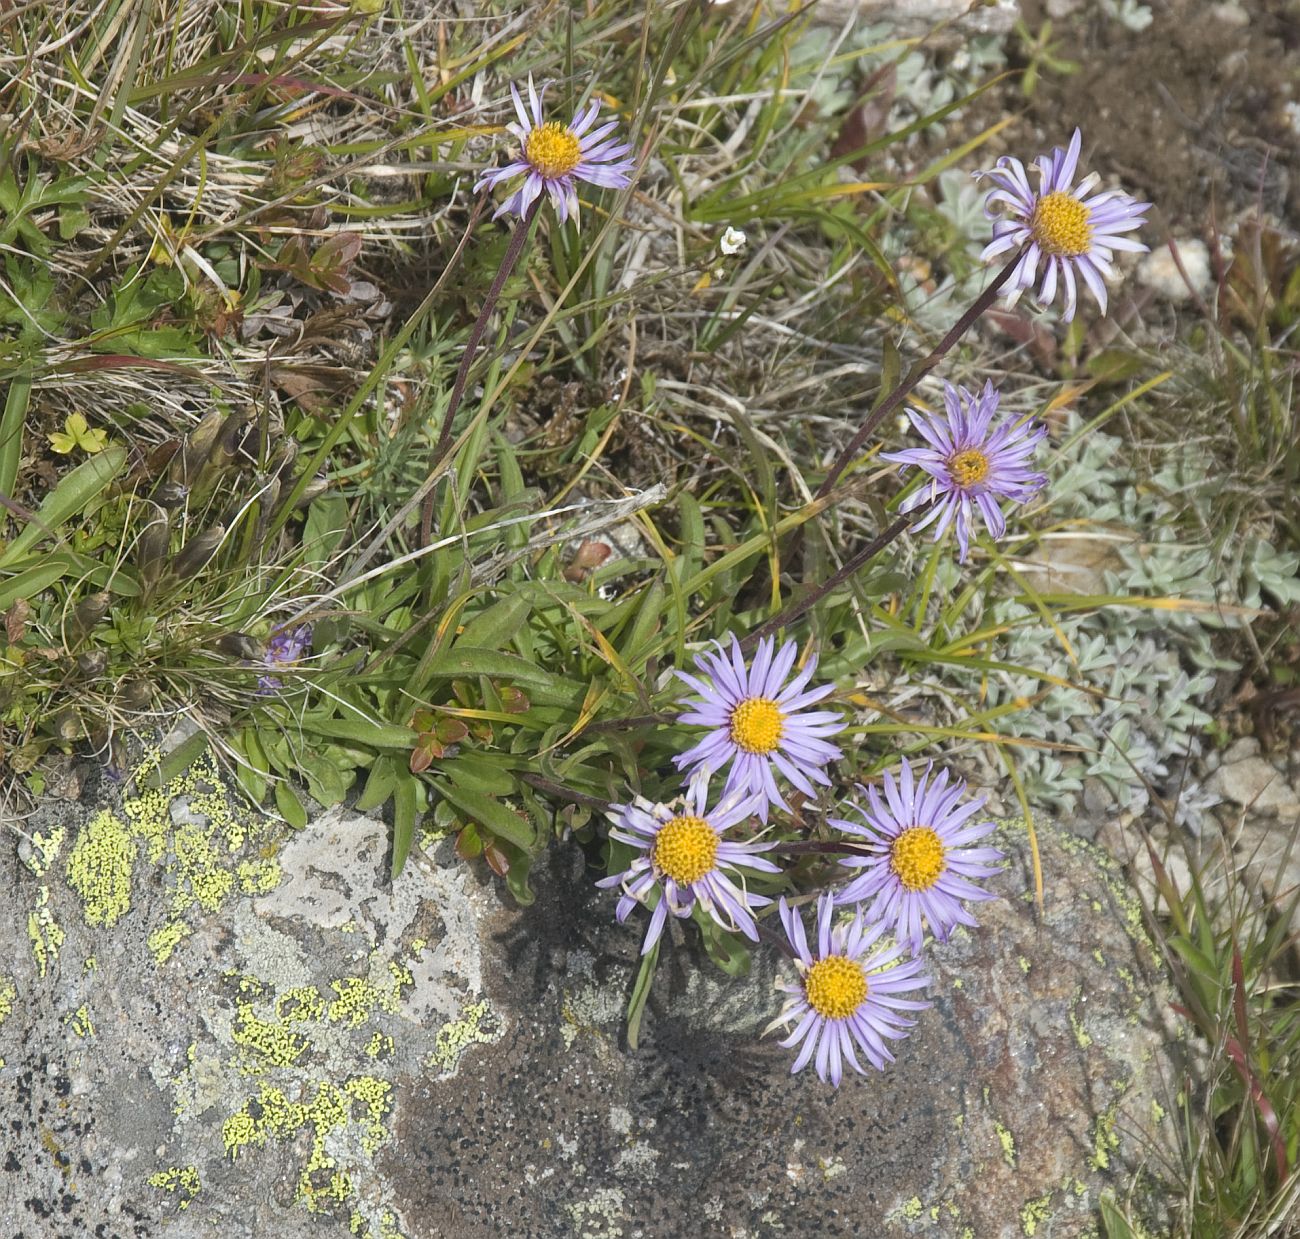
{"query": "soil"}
pixel 1190 112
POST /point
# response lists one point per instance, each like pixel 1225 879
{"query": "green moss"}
pixel 182 1179
pixel 1034 1212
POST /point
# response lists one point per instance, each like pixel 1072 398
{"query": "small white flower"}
pixel 733 241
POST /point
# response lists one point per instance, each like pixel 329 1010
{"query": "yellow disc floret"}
pixel 757 724
pixel 835 987
pixel 685 849
pixel 1060 225
pixel 917 858
pixel 552 150
pixel 969 468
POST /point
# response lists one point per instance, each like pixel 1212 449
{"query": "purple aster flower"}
pixel 972 465
pixel 843 999
pixel 1071 229
pixel 555 157
pixel 285 647
pixel 923 861
pixel 759 723
pixel 685 859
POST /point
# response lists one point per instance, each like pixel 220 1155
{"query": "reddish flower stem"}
pixel 512 254
pixel 917 373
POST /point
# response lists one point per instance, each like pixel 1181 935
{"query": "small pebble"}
pixel 1160 273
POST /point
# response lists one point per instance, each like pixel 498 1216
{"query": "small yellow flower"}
pixel 78 435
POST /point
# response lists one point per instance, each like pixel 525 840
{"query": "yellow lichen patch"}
pixel 1008 1143
pixel 99 869
pixel 381 1044
pixel 164 940
pixel 45 849
pixel 8 992
pixel 356 999
pixel 454 1037
pixel 182 1179
pixel 271 1114
pixel 258 877
pixel 1104 1138
pixel 44 932
pixel 80 1022
pixel 266 1043
pixel 1034 1212
pixel 300 1004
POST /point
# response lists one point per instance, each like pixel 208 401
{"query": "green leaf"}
pixel 493 628
pixel 359 730
pixel 30 581
pixel 477 772
pixel 491 814
pixel 11 430
pixel 405 812
pixel 74 493
pixel 379 785
pixel 1117 1225
pixel 640 993
pixel 177 762
pixel 291 808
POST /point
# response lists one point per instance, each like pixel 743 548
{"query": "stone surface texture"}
pixel 214 1026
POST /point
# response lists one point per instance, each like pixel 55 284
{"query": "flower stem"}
pixel 792 612
pixel 513 251
pixel 917 373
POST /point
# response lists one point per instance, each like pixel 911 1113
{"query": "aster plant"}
pixel 683 858
pixel 846 997
pixel 922 867
pixel 759 721
pixel 975 462
pixel 555 157
pixel 1067 230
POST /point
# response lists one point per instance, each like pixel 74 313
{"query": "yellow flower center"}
pixel 756 725
pixel 686 849
pixel 552 149
pixel 917 858
pixel 969 468
pixel 835 987
pixel 1060 225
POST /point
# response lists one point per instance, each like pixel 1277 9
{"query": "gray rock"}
pixel 213 1026
pixel 922 16
pixel 1253 783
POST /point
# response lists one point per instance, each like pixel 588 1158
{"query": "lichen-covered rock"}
pixel 205 1019
pixel 213 1026
pixel 1032 1086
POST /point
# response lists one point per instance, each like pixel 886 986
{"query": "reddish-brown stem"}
pixel 791 613
pixel 513 251
pixel 917 373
